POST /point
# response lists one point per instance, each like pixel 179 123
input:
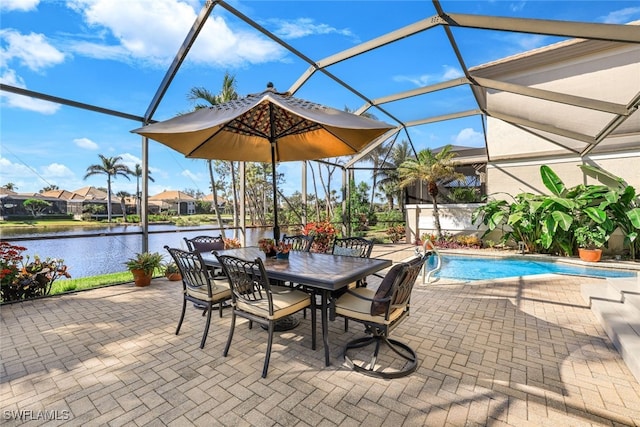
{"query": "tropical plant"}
pixel 36 206
pixel 583 215
pixel 170 268
pixel 112 168
pixel 434 169
pixel 228 93
pixel 145 261
pixel 389 180
pixel 137 172
pixel 21 278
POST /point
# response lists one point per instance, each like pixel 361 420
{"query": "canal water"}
pixel 107 253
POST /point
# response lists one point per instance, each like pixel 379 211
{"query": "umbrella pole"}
pixel 276 228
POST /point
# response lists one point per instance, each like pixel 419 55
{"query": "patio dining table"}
pixel 321 273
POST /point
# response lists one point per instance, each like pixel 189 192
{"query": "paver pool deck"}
pixel 513 352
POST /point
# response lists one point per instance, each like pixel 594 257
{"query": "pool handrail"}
pixel 429 246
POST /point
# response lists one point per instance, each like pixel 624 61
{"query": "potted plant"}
pixel 143 265
pixel 590 240
pixel 172 272
pixel 268 246
pixel 282 250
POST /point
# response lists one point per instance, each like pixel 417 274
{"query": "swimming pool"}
pixel 466 268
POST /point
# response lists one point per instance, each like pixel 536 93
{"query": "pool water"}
pixel 479 268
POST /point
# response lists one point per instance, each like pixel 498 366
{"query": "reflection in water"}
pixel 93 255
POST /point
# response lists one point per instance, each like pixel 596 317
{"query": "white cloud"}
pixel 131 160
pixel 469 138
pixel 303 27
pixel 19 5
pixel 56 170
pixel 622 16
pixel 85 143
pixel 32 50
pixel 152 30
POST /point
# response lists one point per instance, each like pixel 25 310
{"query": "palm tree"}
pixel 432 168
pixel 389 181
pixel 228 93
pixel 122 195
pixel 10 186
pixel 49 188
pixel 137 172
pixel 111 167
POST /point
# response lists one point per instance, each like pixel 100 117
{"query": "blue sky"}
pixel 114 54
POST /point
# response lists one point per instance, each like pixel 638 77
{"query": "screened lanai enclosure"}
pixel 570 99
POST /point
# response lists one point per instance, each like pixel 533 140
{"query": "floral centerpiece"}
pixel 282 250
pixel 21 278
pixel 273 249
pixel 268 246
pixel 231 243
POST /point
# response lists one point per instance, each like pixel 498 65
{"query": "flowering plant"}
pixel 267 245
pixel 232 243
pixel 21 278
pixel 283 247
pixel 323 234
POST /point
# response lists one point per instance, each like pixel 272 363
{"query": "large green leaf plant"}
pixel 584 215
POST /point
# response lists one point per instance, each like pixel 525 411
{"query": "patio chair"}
pixel 298 242
pixel 355 247
pixel 256 299
pixel 198 287
pixel 380 311
pixel 206 244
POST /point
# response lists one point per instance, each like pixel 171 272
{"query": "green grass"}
pixel 83 283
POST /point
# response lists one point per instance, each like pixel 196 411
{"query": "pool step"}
pixel 616 304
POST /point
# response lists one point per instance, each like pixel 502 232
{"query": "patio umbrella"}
pixel 266 127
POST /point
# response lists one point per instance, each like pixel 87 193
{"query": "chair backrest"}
pixel 352 246
pixel 395 289
pixel 205 243
pixel 247 279
pixel 192 268
pixel 298 242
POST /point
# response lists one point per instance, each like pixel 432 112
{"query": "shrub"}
pixel 21 278
pixel 323 234
pixel 396 233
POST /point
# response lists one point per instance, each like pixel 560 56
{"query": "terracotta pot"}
pixel 590 255
pixel 140 278
pixel 173 276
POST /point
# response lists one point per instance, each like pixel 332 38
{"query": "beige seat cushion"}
pixel 286 301
pixel 220 291
pixel 349 305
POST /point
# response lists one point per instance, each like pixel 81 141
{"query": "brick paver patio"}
pixel 506 353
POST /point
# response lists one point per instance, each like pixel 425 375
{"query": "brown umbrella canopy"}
pixel 242 130
pixel 266 127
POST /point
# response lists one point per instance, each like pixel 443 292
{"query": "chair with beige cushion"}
pixel 256 299
pixel 380 311
pixel 206 244
pixel 354 247
pixel 198 287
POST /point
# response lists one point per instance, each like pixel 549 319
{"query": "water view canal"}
pixel 106 253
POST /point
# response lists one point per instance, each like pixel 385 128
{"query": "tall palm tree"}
pixel 388 179
pixel 112 168
pixel 122 195
pixel 10 186
pixel 137 172
pixel 228 93
pixel 432 168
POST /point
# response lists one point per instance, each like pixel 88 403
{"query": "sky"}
pixel 114 54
